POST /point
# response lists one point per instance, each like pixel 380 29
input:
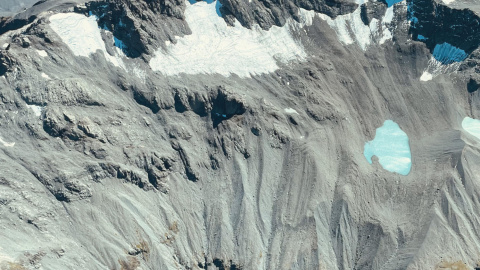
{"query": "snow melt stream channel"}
pixel 391 147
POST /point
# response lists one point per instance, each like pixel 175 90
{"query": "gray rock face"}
pixel 115 166
pixel 267 13
pixel 372 10
pixel 121 17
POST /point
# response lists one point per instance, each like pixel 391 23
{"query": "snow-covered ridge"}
pixel 214 47
pixel 350 28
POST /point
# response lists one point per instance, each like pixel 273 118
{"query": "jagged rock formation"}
pixel 268 13
pixel 110 162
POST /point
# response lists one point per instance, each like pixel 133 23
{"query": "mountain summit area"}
pixel 240 134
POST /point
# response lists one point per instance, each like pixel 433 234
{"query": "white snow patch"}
pixel 6 144
pixel 374 26
pixel 81 34
pixel 388 18
pixel 339 25
pixel 426 76
pixel 351 29
pixel 387 35
pixel 436 68
pixel 306 16
pixel 448 1
pixel 140 73
pixel 5 46
pixel 214 47
pixel 291 111
pixel 45 76
pixel 42 53
pixel 37 110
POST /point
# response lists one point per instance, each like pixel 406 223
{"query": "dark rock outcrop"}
pixel 371 10
pixel 13 23
pixel 267 13
pixel 135 23
pixel 473 84
pixel 438 23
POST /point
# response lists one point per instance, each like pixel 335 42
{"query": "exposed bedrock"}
pixel 267 13
pixel 108 166
pixel 140 24
pixel 372 10
pixel 435 23
pixel 10 23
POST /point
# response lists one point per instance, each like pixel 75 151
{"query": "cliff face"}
pixel 230 135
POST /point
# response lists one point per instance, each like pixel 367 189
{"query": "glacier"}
pixel 214 47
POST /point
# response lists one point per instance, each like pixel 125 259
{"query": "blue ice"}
pixel 392 2
pixel 421 37
pixel 119 44
pixel 218 5
pixel 447 54
pixel 391 147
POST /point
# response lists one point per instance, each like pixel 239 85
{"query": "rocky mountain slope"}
pixel 11 7
pixel 232 134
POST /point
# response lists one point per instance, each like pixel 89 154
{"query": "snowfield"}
pixel 81 34
pixel 214 47
pixel 350 28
